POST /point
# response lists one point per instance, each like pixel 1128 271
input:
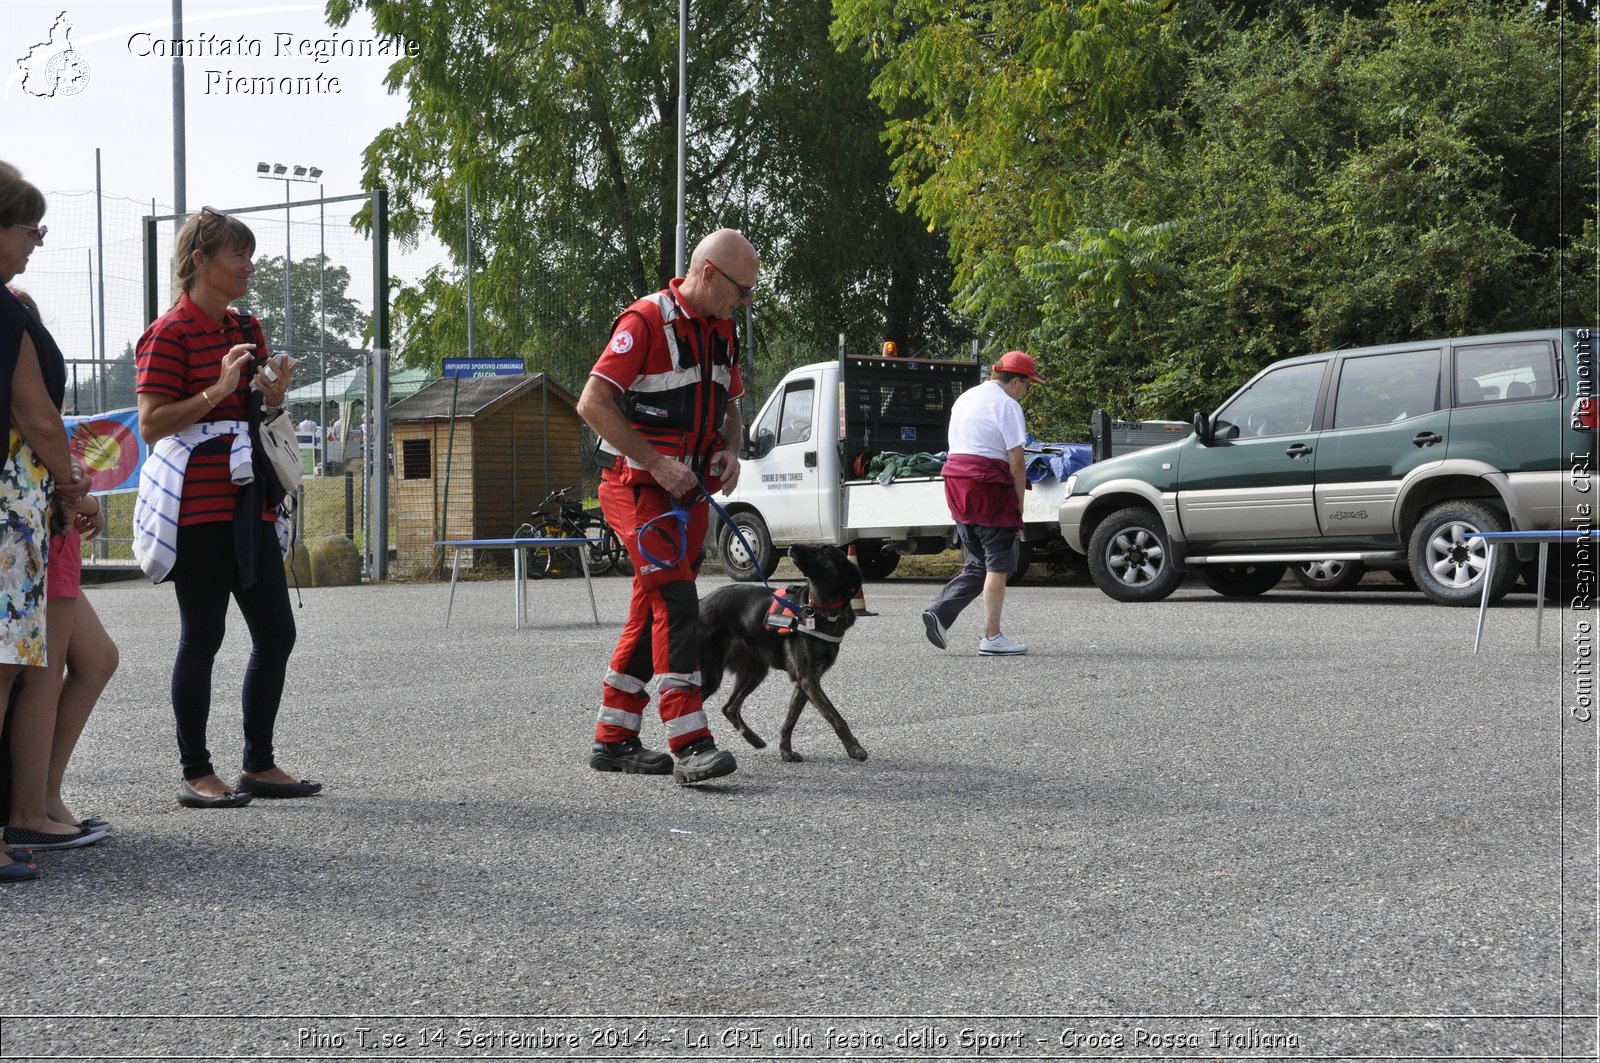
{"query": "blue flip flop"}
pixel 18 871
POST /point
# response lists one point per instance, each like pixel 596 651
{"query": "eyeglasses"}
pixel 38 231
pixel 744 289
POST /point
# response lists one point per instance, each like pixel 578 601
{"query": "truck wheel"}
pixel 738 561
pixel 874 561
pixel 1130 558
pixel 1329 575
pixel 1240 581
pixel 1024 559
pixel 1448 562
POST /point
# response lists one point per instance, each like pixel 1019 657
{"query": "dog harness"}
pixel 786 615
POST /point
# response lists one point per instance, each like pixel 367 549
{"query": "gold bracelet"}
pixel 205 393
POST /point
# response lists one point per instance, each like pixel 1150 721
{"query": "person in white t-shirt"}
pixel 985 476
pixel 307 427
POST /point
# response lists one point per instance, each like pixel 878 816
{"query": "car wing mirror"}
pixel 1203 430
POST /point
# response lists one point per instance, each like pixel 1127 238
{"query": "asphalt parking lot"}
pixel 1302 825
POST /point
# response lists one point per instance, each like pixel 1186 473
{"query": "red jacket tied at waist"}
pixel 981 490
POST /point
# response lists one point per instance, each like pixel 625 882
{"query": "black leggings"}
pixel 205 576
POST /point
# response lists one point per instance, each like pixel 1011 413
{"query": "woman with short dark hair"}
pixel 37 465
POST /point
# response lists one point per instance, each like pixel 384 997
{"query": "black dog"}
pixel 736 635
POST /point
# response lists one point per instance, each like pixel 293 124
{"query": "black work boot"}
pixel 629 756
pixel 700 761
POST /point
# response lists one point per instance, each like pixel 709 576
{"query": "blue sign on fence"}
pixel 482 367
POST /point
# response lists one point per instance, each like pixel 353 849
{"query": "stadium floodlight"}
pixel 279 172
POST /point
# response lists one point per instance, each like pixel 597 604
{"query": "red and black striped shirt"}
pixel 180 355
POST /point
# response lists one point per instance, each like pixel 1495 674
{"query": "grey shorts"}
pixel 995 547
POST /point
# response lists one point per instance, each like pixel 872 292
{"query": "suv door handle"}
pixel 1298 450
pixel 811 459
pixel 1427 439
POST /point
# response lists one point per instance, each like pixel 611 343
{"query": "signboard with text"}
pixel 482 367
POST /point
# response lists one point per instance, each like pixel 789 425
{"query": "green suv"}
pixel 1391 457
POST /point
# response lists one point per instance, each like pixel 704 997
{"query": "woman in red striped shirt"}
pixel 204 376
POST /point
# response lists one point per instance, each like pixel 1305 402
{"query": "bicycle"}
pixel 558 517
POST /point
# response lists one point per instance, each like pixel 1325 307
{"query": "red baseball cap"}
pixel 1021 364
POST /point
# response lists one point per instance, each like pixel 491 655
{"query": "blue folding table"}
pixel 1544 539
pixel 519 568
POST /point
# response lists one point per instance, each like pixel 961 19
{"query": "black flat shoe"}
pixel 262 788
pixel 189 798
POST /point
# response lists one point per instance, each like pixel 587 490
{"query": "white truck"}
pixel 806 455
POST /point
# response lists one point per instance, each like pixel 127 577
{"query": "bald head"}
pixel 723 267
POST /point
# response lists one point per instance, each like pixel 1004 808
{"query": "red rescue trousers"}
pixel 662 635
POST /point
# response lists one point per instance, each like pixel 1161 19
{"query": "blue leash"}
pixel 680 513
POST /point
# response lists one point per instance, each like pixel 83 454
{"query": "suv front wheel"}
pixel 1448 560
pixel 1130 557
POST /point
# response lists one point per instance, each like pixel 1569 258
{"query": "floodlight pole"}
pixel 322 312
pixel 683 124
pixel 179 140
pixel 278 171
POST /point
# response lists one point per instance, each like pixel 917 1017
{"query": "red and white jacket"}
pixel 677 373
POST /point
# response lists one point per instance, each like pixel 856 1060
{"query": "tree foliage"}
pixel 559 119
pixel 1159 198
pixel 321 313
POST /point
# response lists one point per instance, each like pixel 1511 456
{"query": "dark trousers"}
pixel 983 550
pixel 205 577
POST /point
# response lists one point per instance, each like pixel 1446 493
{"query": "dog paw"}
pixel 856 753
pixel 791 756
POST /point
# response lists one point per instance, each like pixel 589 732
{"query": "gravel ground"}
pixel 1300 825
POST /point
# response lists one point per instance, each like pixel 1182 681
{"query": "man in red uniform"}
pixel 662 400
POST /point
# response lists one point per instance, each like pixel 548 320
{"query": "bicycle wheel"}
pixel 557 562
pixel 536 564
pixel 602 555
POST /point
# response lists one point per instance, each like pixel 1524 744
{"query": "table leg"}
pixel 1483 602
pixel 583 559
pixel 455 570
pixel 518 601
pixel 1538 592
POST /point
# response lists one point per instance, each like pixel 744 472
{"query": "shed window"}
pixel 416 459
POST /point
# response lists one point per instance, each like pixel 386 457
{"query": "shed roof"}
pixel 478 395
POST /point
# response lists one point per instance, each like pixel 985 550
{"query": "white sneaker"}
pixel 1000 646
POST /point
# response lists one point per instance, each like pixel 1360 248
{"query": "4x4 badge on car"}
pixel 1348 514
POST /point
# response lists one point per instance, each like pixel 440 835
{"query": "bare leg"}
pixel 91 659
pixel 994 596
pixel 34 725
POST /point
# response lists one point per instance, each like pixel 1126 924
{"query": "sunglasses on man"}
pixel 744 289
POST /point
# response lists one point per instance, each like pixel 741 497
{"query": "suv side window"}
pixel 1382 388
pixel 1281 402
pixel 1504 372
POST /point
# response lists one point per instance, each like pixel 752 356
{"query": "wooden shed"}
pixel 516 439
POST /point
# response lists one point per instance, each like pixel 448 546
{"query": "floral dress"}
pixel 24 546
